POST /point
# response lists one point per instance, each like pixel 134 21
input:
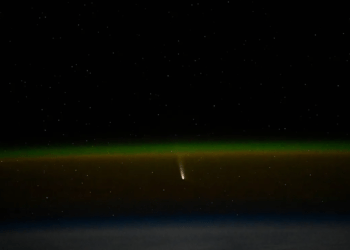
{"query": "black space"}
pixel 75 71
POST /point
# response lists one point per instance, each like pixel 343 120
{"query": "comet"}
pixel 181 167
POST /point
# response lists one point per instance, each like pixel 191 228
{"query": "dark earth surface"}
pixel 232 199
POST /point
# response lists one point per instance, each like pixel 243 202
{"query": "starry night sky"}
pixel 76 71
